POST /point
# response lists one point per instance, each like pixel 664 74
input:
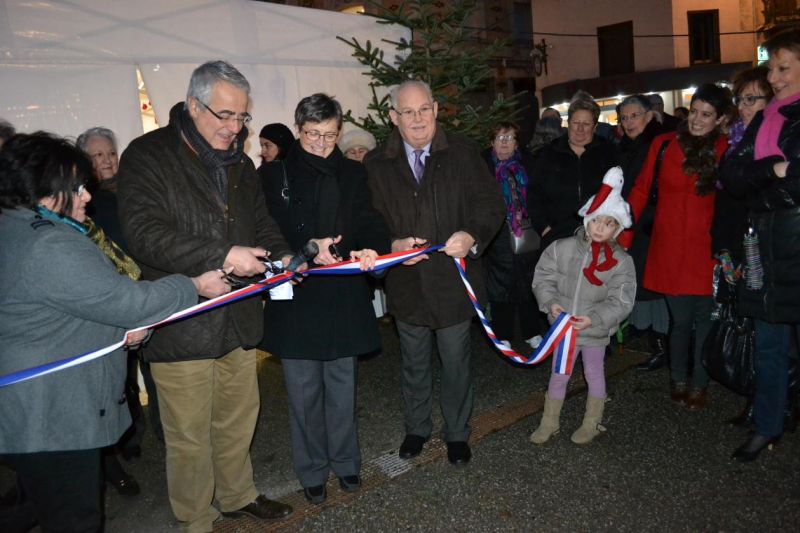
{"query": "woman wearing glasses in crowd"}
pixel 509 275
pixel 329 322
pixel 639 128
pixel 568 172
pixel 752 94
pixel 62 294
pixel 679 263
pixel 764 171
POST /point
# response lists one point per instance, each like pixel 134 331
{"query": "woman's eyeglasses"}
pixel 749 100
pixel 79 189
pixel 314 135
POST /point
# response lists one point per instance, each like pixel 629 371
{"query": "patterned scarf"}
pixel 511 175
pixel 124 264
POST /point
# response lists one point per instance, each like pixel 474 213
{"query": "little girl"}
pixel 593 279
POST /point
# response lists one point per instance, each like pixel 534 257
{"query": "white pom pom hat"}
pixel 609 202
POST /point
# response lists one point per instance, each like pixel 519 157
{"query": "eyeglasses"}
pixel 79 189
pixel 632 116
pixel 749 100
pixel 504 138
pixel 313 135
pixel 227 116
pixel 424 111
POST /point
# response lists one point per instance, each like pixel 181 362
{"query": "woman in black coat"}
pixel 509 275
pixel 568 172
pixel 316 194
pixel 650 312
pixel 764 170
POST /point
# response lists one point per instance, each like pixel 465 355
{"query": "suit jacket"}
pixel 457 193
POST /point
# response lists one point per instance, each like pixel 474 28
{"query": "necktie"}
pixel 419 166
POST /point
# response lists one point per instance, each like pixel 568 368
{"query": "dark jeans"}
pixel 772 376
pixel 688 312
pixel 64 488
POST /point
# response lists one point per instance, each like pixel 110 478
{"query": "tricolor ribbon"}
pixel 560 339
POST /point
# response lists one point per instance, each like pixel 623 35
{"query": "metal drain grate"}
pixel 391 465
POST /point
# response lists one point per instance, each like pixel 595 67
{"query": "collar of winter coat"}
pixel 394 144
pixel 583 242
pixel 561 144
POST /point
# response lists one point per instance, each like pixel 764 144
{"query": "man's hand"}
pixel 324 256
pixel 556 310
pixel 581 322
pixel 212 284
pixel 246 261
pixel 458 244
pixel 367 257
pixel 409 243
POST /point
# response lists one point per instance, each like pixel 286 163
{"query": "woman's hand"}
pixel 134 338
pixel 367 257
pixel 556 310
pixel 214 283
pixel 581 322
pixel 409 243
pixel 780 168
pixel 325 257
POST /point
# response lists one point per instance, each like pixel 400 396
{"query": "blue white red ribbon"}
pixel 560 339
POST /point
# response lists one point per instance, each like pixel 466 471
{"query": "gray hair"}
pixel 208 74
pixel 584 105
pixel 637 99
pixel 317 108
pixel 83 138
pixel 6 130
pixel 409 83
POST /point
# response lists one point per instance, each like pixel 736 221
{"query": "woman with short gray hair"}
pixel 320 199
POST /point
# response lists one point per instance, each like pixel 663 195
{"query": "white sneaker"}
pixel 507 344
pixel 534 341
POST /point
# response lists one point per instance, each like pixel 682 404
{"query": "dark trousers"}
pixel 322 418
pixel 64 488
pixel 455 352
pixel 504 314
pixel 772 376
pixel 688 312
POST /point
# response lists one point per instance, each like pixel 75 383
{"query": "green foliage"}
pixel 444 52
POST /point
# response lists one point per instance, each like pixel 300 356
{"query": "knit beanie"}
pixel 280 135
pixel 608 202
pixel 356 137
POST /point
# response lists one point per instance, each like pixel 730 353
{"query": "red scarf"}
pixel 608 263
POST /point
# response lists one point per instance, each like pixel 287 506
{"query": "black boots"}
pixel 658 347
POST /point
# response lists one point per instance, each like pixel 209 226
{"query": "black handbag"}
pixel 529 241
pixel 729 349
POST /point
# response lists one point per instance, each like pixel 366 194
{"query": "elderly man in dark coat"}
pixel 190 201
pixel 433 187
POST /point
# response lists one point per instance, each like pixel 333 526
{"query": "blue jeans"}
pixel 772 380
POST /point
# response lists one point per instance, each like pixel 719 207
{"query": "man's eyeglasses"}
pixel 632 116
pixel 424 111
pixel 749 100
pixel 504 138
pixel 227 116
pixel 313 135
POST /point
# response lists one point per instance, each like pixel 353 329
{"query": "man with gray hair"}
pixel 190 201
pixel 433 187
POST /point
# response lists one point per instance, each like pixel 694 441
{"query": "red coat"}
pixel 679 258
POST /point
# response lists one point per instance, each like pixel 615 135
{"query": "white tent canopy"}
pixel 66 66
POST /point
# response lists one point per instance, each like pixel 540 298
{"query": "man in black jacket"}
pixel 433 187
pixel 190 201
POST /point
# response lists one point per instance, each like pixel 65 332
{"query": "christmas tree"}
pixel 445 52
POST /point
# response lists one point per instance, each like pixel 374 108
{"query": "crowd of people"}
pixel 619 229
